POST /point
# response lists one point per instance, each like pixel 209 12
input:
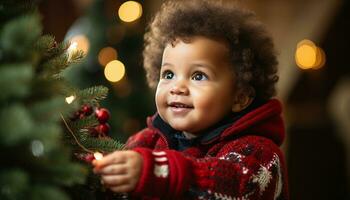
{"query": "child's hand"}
pixel 120 170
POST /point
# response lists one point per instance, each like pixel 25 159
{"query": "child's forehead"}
pixel 197 47
pixel 199 52
pixel 190 39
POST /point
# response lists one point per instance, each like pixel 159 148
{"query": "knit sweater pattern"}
pixel 243 162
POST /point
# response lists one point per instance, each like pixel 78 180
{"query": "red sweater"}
pixel 242 162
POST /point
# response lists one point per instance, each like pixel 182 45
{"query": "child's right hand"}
pixel 120 171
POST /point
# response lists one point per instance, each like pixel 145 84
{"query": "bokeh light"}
pixel 37 148
pixel 106 55
pixel 114 71
pixel 81 42
pixel 70 99
pixel 130 11
pixel 309 56
pixel 305 55
pixel 320 59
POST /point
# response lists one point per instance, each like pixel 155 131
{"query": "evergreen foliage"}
pixel 35 161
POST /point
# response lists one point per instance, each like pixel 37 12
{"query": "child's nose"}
pixel 179 88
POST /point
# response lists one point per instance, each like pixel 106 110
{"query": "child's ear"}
pixel 241 102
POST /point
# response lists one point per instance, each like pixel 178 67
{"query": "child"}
pixel 216 131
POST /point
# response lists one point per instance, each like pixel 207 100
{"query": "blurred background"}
pixel 311 37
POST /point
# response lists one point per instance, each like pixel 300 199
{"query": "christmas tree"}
pixel 35 118
pixel 130 100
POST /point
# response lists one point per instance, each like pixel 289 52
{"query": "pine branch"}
pixel 19 35
pixel 76 57
pixel 105 144
pixel 15 125
pixel 47 134
pixel 54 66
pixel 43 191
pixel 15 80
pixel 14 183
pixel 93 95
pixel 48 110
pixel 46 46
pixel 85 123
pixel 31 101
pixel 11 8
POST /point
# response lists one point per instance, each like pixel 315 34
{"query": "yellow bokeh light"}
pixel 130 11
pixel 114 71
pixel 306 54
pixel 81 42
pixel 106 55
pixel 321 59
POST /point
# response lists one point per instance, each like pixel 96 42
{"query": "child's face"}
pixel 195 89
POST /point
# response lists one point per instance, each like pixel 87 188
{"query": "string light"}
pixel 130 11
pixel 70 99
pixel 98 156
pixel 71 49
pixel 114 71
pixel 81 42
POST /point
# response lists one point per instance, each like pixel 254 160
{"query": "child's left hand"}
pixel 120 171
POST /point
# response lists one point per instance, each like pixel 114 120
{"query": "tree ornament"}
pixel 102 115
pixel 93 132
pixel 75 116
pixel 103 129
pixel 89 157
pixel 86 109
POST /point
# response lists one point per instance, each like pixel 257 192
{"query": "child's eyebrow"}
pixel 204 65
pixel 167 64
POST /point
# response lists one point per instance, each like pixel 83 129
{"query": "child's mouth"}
pixel 180 109
pixel 179 105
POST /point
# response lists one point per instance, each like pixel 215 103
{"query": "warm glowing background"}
pixel 312 39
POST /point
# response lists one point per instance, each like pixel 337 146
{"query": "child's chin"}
pixel 179 127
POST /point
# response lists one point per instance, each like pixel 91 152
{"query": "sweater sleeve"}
pixel 250 168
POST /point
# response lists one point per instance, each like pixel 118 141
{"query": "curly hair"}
pixel 252 53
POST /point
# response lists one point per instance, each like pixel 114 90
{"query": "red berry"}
pixel 75 116
pixel 102 115
pixel 81 116
pixel 93 132
pixel 103 129
pixel 87 110
pixel 89 158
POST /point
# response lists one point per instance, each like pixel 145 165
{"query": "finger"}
pixel 115 180
pixel 114 169
pixel 115 157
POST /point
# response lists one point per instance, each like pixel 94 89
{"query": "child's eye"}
pixel 167 74
pixel 199 76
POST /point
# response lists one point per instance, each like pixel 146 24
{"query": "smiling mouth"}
pixel 179 105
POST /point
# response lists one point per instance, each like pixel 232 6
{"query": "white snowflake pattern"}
pixel 279 184
pixel 161 171
pixel 263 178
